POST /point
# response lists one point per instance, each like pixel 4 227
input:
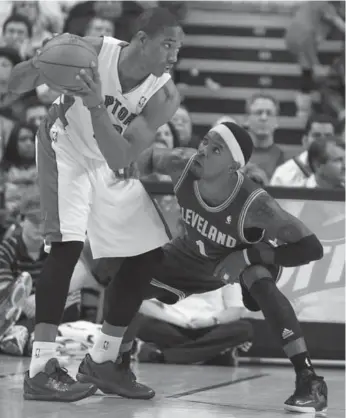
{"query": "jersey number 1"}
pixel 201 247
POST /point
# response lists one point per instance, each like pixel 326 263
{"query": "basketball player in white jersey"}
pixel 79 146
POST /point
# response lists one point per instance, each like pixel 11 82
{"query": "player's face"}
pixel 213 157
pixel 161 52
pixel 262 117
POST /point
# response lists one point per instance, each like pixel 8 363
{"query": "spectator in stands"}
pixel 294 172
pixel 205 328
pixel 167 136
pixel 100 26
pixel 20 252
pixel 17 33
pixel 35 112
pixel 256 174
pixel 223 119
pixel 122 14
pixel 8 59
pixel 18 164
pixel 332 89
pixel 311 24
pixel 326 158
pixel 32 11
pixel 183 124
pixel 262 121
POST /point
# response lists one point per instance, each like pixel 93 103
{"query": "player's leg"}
pixel 130 228
pixel 311 390
pixel 64 189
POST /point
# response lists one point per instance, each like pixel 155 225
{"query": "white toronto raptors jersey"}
pixel 122 108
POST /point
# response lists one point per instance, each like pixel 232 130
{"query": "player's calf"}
pixel 311 390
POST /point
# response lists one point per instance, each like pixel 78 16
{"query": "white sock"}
pixel 41 353
pixel 105 348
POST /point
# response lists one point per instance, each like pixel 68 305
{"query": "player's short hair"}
pixel 152 21
pixel 261 95
pixel 319 118
pixel 18 18
pixel 317 152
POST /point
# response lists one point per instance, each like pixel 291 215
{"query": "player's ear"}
pixel 141 37
pixel 235 166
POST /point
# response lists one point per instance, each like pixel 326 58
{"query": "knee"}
pixel 255 274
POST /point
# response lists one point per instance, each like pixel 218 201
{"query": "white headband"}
pixel 227 135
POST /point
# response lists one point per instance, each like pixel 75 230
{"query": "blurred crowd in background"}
pixel 320 162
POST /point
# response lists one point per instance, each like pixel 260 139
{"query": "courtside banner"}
pixel 317 290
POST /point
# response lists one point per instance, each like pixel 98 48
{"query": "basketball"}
pixel 62 58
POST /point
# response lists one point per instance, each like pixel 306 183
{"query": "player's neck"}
pixel 216 191
pixel 131 73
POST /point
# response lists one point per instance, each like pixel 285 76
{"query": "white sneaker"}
pixel 15 340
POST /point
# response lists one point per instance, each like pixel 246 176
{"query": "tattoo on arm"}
pixel 267 214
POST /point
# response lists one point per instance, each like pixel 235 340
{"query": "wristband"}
pixel 99 106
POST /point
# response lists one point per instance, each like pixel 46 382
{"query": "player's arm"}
pixel 119 151
pixel 165 161
pixel 300 245
pixel 25 76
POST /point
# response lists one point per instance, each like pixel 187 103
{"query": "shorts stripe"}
pixel 48 183
pixel 181 295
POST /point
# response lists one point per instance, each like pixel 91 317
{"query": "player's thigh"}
pixel 180 275
pixel 124 221
pixel 64 187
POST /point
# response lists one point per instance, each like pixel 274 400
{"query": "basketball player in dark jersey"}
pixel 230 224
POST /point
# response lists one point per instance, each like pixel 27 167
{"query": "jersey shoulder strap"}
pixel 183 175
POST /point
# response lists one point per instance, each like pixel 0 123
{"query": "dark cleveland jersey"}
pixel 213 232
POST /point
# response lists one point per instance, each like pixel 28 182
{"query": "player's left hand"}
pixel 91 92
pixel 230 269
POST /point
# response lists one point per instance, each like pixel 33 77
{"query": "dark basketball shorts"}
pixel 181 275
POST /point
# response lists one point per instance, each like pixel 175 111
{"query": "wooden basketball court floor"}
pixel 181 392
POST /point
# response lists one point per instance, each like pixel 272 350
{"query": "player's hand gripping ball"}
pixel 91 92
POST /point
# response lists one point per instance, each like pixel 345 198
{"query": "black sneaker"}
pixel 311 394
pixel 55 384
pixel 114 378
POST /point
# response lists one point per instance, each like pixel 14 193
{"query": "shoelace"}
pixel 61 374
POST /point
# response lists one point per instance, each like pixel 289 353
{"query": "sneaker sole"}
pixel 57 397
pixel 83 378
pixel 304 410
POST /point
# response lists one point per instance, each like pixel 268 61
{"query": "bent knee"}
pixel 253 274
